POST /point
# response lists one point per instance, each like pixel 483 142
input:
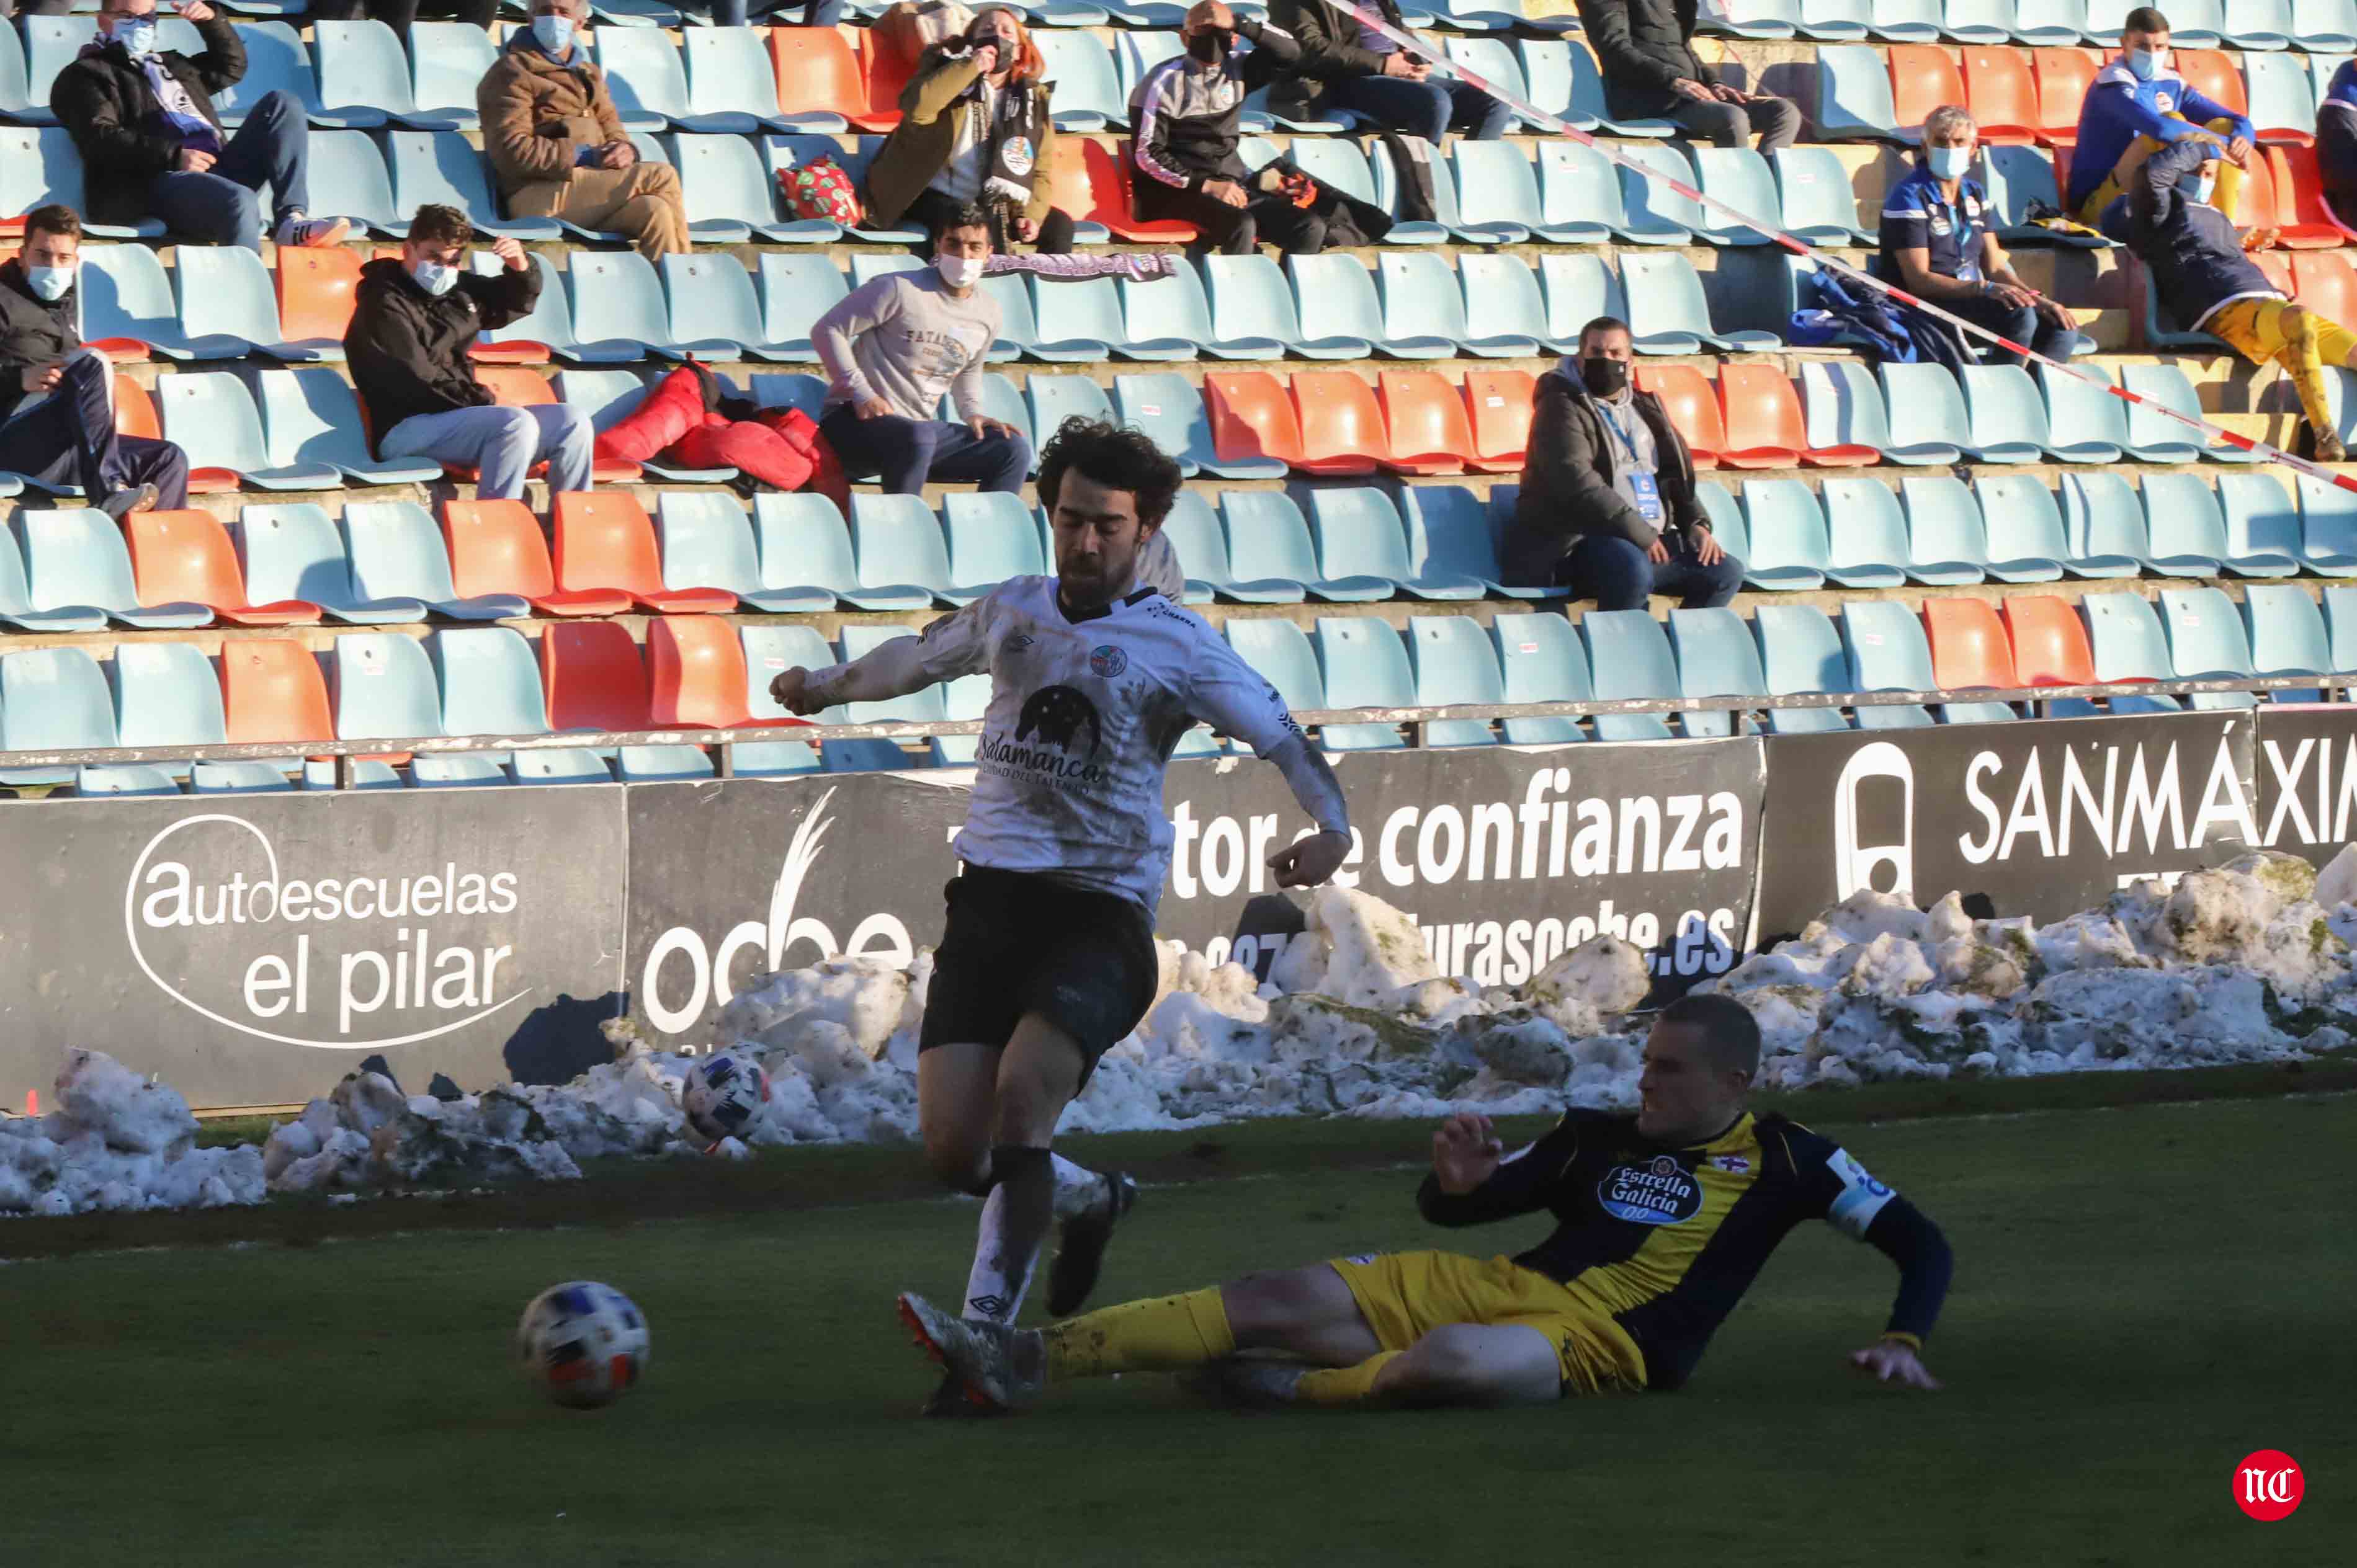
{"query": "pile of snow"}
pixel 2248 961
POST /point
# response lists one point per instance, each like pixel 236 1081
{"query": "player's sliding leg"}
pixel 1461 1364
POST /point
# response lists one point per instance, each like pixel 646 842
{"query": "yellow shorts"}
pixel 1405 1295
pixel 2256 327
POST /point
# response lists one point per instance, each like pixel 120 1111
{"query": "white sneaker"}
pixel 311 232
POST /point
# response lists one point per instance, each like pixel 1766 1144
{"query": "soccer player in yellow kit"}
pixel 1663 1218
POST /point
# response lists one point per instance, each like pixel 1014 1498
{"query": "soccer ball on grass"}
pixel 583 1343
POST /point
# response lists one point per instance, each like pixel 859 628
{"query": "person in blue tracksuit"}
pixel 2138 106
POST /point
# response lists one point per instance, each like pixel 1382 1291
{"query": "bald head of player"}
pixel 1107 489
pixel 1699 1062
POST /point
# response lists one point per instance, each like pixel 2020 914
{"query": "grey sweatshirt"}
pixel 905 339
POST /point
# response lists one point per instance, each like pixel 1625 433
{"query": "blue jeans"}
pixel 1620 577
pixel 2021 323
pixel 1426 108
pixel 502 444
pixel 734 13
pixel 67 437
pixel 223 205
pixel 903 453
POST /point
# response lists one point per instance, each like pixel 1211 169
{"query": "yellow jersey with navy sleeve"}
pixel 1666 1240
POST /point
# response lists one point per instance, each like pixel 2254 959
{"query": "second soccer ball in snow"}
pixel 725 1096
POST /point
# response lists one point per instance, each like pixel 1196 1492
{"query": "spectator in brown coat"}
pixel 556 143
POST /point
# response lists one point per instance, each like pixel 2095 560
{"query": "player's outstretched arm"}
pixel 950 646
pixel 1316 858
pixel 1905 1234
pixel 1473 1181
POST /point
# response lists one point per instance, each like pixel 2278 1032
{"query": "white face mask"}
pixel 137 36
pixel 1949 163
pixel 435 278
pixel 48 282
pixel 553 33
pixel 2145 64
pixel 959 272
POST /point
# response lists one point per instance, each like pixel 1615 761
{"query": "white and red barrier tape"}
pixel 1800 247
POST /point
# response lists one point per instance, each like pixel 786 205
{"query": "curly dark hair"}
pixel 1120 457
pixel 973 215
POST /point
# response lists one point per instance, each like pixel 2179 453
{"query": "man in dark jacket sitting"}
pixel 57 402
pixel 1644 50
pixel 411 322
pixel 1347 65
pixel 1184 162
pixel 153 146
pixel 1607 505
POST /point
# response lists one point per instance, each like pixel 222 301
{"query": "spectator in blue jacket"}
pixel 2138 106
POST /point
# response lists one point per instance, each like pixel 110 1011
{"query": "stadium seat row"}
pixel 2245 24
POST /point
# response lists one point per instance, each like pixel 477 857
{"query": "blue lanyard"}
pixel 1628 443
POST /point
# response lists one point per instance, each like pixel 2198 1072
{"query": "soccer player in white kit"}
pixel 1048 958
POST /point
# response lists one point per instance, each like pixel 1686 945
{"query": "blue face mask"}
pixel 554 32
pixel 49 283
pixel 435 278
pixel 2142 64
pixel 1948 163
pixel 137 39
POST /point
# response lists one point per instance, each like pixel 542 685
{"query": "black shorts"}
pixel 1017 942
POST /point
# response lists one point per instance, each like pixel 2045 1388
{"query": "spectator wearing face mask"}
pixel 1608 506
pixel 1939 243
pixel 974 132
pixel 151 144
pixel 2138 106
pixel 1184 160
pixel 893 347
pixel 556 142
pixel 413 320
pixel 57 397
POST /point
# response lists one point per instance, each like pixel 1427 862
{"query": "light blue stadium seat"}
pixel 2329 536
pixel 125 294
pixel 2103 524
pixel 644 74
pixel 1423 311
pixel 2324 27
pixel 619 315
pixel 51 43
pixel 1887 652
pixel 733 87
pixel 1542 659
pixel 1054 399
pixel 17 600
pixel 2341 621
pixel 1906 21
pixel 2157 438
pixel 1800 652
pixel 76 561
pixel 794 150
pixel 383 686
pixel 1497 191
pixel 1074 315
pixel 56 699
pixel 1493 60
pixel 899 544
pixel 1269 549
pixel 447 60
pixel 966 697
pixel 1866 534
pixel 1170 409
pixel 275 61
pixel 641 14
pixel 2125 637
pixel 1193 531
pixel 1818 202
pixel 1654 214
pixel 2019 181
pixel 1755 19
pixel 167 693
pixel 1364 666
pixel 610 397
pixel 1985 22
pixel 1578 288
pixel 1947 542
pixel 991 538
pixel 1503 308
pixel 795 292
pixel 1586 93
pixel 805 548
pixel 212 417
pixel 1667 312
pixel 769 650
pixel 2102 22
pixel 2006 417
pixel 1088 93
pixel 2085 424
pixel 2186 533
pixel 548 323
pixel 713 312
pixel 725 186
pixel 1359 534
pixel 226 300
pixel 1741 178
pixel 2341 402
pixel 1443 203
pixel 295 551
pixel 2263 530
pixel 2052 22
pixel 491 685
pixel 1335 306
pixel 2257 24
pixel 1629 656
pixel 1853 96
pixel 1174 310
pixel 1722 516
pixel 1717 658
pixel 311 417
pixel 16 100
pixel 1579 195
pixel 2206 639
pixel 1002 401
pixel 1252 307
pixel 2280 92
pixel 348 180
pixel 1472 16
pixel 1786 533
pixel 917 707
pixel 1928 423
pixel 364 77
pixel 1280 654
pixel 1448 540
pixel 1142 46
pixel 2285 633
pixel 441 167
pixel 1454 663
pixel 397 551
pixel 2026 541
pixel 707 542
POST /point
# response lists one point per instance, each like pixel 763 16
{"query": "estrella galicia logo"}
pixel 1108 660
pixel 1658 1192
pixel 1054 714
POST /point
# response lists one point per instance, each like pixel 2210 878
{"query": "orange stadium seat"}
pixel 1252 417
pixel 1692 407
pixel 2063 77
pixel 2324 281
pixel 314 291
pixel 884 74
pixel 818 73
pixel 1969 646
pixel 185 557
pixel 2304 216
pixel 1762 415
pixel 1341 427
pixel 1498 406
pixel 2211 73
pixel 1922 77
pixel 1104 176
pixel 2049 641
pixel 605 542
pixel 2001 93
pixel 1424 416
pixel 496 547
pixel 271 691
pixel 519 386
pixel 594 676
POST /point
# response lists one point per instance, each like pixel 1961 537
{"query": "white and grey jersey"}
pixel 1081 721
